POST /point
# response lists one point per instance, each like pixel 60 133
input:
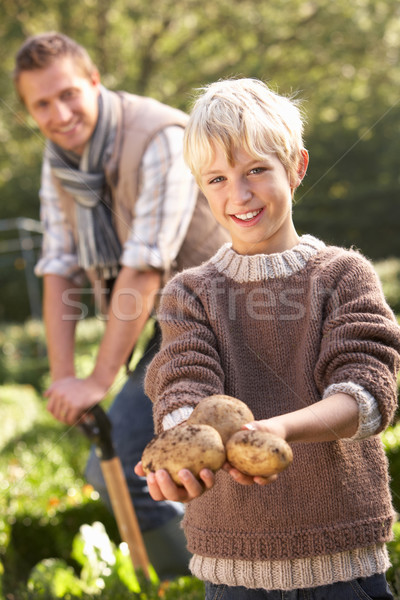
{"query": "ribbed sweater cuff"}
pixel 369 416
pixel 292 574
pixel 176 417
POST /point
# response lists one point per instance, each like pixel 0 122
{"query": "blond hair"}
pixel 243 113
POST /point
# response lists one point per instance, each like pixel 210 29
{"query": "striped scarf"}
pixel 83 177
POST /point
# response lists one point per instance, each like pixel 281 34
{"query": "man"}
pixel 119 207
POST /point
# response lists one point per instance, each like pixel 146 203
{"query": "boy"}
pixel 299 331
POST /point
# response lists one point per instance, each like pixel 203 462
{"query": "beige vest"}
pixel 139 119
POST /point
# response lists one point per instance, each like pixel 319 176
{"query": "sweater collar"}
pixel 244 268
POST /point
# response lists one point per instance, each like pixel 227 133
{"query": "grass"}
pixel 50 518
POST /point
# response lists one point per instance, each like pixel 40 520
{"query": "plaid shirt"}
pixel 163 211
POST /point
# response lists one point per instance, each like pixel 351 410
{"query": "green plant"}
pixel 103 566
pixel 103 570
pixel 391 441
pixel 389 274
pixel 393 574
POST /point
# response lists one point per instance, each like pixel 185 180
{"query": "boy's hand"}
pixel 247 479
pixel 328 420
pixel 273 426
pixel 240 477
pixel 162 487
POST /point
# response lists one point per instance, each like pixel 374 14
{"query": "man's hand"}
pixel 70 397
pixel 162 487
pixel 132 301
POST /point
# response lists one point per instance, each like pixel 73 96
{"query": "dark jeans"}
pixel 368 588
pixel 132 428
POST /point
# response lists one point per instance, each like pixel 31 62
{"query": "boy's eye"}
pixel 217 179
pixel 256 170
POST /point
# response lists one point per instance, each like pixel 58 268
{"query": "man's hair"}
pixel 40 51
pixel 243 114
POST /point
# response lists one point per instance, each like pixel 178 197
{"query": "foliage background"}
pixel 341 58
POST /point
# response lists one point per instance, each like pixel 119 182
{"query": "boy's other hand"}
pixel 272 425
pixel 243 479
pixel 162 487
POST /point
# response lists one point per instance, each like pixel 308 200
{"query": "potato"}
pixel 185 446
pixel 225 413
pixel 258 453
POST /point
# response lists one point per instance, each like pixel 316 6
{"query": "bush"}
pixel 389 273
pixel 391 441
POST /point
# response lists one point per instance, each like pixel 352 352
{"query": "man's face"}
pixel 63 102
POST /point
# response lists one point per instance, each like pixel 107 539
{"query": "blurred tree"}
pixel 342 58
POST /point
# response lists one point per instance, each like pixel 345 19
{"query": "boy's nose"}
pixel 240 192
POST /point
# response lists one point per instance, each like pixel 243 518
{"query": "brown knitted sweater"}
pixel 277 331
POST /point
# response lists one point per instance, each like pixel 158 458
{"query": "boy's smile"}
pixel 248 217
pixel 252 198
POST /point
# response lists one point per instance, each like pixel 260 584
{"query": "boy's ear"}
pixel 301 167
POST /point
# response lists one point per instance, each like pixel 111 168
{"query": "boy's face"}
pixel 63 102
pixel 251 198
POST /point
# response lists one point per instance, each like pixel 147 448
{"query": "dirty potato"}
pixel 225 413
pixel 258 453
pixel 186 446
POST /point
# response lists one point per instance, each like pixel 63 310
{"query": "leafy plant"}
pixel 106 571
pixel 391 441
pixel 389 273
pixel 393 574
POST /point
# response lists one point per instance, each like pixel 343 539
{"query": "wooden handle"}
pixel 124 512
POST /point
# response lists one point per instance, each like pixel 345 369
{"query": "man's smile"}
pixel 67 128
